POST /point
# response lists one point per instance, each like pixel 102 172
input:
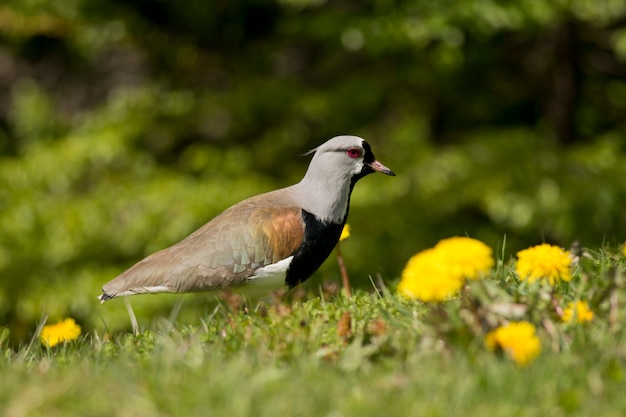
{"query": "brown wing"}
pixel 224 252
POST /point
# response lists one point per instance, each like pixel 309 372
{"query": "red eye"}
pixel 354 152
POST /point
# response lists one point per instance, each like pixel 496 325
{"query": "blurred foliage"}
pixel 126 125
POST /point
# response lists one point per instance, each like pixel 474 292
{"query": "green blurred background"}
pixel 127 124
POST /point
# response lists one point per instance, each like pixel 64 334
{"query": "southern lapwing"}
pixel 271 241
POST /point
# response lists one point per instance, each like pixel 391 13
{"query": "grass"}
pixel 325 354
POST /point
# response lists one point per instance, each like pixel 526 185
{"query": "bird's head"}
pixel 346 157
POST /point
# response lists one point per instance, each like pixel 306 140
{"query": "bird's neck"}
pixel 326 196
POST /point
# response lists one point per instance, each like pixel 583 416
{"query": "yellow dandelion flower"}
pixel 578 310
pixel 63 331
pixel 427 278
pixel 468 257
pixel 518 340
pixel 624 249
pixel 345 232
pixel 546 262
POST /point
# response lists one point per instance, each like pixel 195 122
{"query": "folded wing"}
pixel 224 252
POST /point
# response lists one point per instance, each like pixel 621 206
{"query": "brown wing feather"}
pixel 224 252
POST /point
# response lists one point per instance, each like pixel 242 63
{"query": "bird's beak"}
pixel 378 167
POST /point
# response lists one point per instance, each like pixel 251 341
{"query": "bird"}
pixel 264 243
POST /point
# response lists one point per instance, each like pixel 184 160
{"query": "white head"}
pixel 336 166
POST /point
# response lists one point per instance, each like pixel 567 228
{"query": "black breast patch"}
pixel 319 241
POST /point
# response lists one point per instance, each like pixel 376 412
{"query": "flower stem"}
pixel 344 273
